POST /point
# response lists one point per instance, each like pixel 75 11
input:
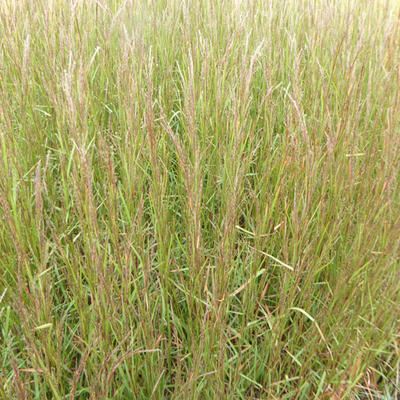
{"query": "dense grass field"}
pixel 199 199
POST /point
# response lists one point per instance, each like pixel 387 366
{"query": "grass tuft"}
pixel 199 199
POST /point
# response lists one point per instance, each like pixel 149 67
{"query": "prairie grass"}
pixel 199 199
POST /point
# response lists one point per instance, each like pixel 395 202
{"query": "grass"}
pixel 199 199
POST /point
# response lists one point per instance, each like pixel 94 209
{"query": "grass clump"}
pixel 199 199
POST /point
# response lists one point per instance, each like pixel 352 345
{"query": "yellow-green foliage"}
pixel 199 199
